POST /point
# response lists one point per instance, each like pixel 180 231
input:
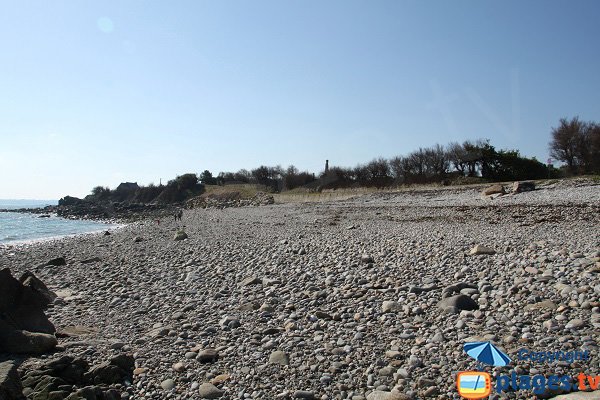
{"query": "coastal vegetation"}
pixel 574 143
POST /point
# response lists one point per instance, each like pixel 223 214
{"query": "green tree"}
pixel 101 192
pixel 206 177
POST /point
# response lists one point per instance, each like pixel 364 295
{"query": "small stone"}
pixel 180 235
pixel 117 345
pixel 545 304
pixel 550 325
pixel 266 307
pixel 438 338
pixel 425 383
pixel 209 391
pixel 251 280
pixel 168 384
pixel 385 395
pixel 179 367
pixel 230 322
pixel 531 270
pixel 479 249
pixel 220 379
pixel 366 259
pixel 57 262
pixel 250 306
pixel 575 324
pixel 458 302
pixel 391 306
pixel 431 392
pixel 304 394
pixel 393 354
pixel 279 357
pixel 415 361
pixel 271 331
pixel 322 315
pixel 208 356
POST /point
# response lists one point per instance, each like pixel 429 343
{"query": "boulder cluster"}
pixel 498 189
pixel 67 378
pixel 25 330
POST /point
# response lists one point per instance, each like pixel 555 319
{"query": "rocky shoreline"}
pixel 367 298
pixel 102 212
pixel 74 208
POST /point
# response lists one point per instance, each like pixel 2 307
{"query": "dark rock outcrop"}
pixel 24 328
pixel 38 288
pixel 10 384
pixel 75 380
pixel 118 370
pixel 18 341
pixel 70 201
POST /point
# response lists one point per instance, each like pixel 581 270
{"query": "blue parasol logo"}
pixel 486 353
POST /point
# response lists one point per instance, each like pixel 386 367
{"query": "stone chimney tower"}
pixel 326 166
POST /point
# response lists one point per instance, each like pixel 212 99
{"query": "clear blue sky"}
pixel 95 93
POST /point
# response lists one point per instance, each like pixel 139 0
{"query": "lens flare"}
pixel 105 24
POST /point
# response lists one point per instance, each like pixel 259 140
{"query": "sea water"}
pixel 23 227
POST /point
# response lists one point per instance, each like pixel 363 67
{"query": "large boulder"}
pixel 22 307
pixel 70 378
pixel 494 189
pixel 118 370
pixel 24 328
pixel 10 383
pixel 69 369
pixel 16 341
pixel 37 288
pixel 525 186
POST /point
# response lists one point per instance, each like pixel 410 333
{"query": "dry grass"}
pixel 242 191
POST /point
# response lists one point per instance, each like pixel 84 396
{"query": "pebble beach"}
pixel 371 297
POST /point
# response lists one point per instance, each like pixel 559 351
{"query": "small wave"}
pixel 9 237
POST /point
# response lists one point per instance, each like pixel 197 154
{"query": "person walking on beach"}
pixel 178 215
